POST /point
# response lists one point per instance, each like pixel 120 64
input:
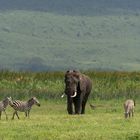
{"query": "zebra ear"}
pixel 33 98
pixel 30 99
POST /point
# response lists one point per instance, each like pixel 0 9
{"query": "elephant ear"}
pixel 82 83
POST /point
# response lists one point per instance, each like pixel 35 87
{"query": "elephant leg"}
pixel 75 107
pixel 78 105
pixel 83 107
pixel 69 105
pixel 84 104
pixel 70 108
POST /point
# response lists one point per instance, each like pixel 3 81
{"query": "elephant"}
pixel 77 89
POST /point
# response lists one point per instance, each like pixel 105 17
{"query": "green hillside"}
pixel 38 40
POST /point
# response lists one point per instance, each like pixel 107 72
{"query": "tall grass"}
pixel 106 85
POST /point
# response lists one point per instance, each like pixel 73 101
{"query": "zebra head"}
pixel 8 100
pixel 35 101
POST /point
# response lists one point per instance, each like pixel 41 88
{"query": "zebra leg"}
pixel 25 114
pixel 17 115
pixel 13 115
pixel 6 115
pixel 132 113
pixel 28 113
pixel 129 114
pixel 0 115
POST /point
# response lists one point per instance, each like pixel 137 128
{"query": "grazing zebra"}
pixel 129 108
pixel 3 105
pixel 23 106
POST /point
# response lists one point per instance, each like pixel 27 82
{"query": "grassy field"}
pixel 51 122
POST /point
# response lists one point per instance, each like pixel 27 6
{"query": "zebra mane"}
pixel 30 102
pixel 30 99
pixel 5 99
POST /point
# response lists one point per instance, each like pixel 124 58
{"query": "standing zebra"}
pixel 129 108
pixel 23 106
pixel 3 105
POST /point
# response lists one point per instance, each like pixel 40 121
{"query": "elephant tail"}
pixel 92 106
pixel 95 106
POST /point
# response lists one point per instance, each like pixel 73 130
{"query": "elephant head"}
pixel 74 83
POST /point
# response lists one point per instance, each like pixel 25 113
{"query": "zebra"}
pixel 3 105
pixel 129 108
pixel 23 106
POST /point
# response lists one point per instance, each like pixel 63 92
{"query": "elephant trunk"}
pixel 70 91
pixel 75 93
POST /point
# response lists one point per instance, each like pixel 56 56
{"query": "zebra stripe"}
pixel 25 106
pixel 17 104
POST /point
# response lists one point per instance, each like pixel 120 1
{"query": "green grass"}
pixel 51 122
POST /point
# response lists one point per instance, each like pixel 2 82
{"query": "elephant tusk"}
pixel 74 94
pixel 62 96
